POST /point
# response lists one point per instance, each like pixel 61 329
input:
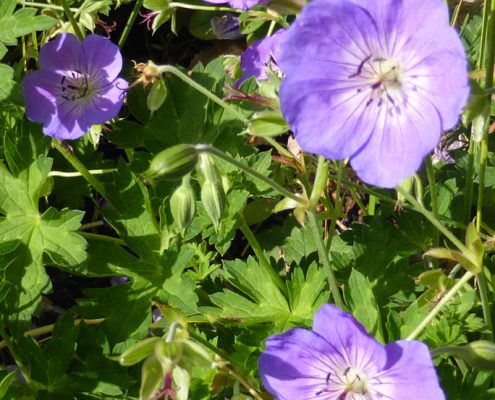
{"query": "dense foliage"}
pixel 152 256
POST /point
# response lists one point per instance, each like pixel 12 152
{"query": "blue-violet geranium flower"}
pixel 376 81
pixel 239 4
pixel 339 360
pixel 260 56
pixel 76 86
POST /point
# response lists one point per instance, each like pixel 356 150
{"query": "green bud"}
pixel 168 353
pixel 213 198
pixel 138 352
pixel 207 169
pixel 480 354
pixel 157 94
pixel 173 163
pixel 151 378
pixel 183 204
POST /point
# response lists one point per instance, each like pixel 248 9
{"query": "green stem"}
pixel 484 25
pixel 91 225
pixel 102 238
pixel 203 8
pixel 320 183
pixel 130 22
pixel 173 70
pixel 43 5
pixel 260 255
pixel 79 166
pixel 434 220
pixel 432 185
pixel 438 307
pixel 72 20
pixel 489 65
pixel 43 330
pixel 77 174
pixel 456 13
pixel 204 148
pixel 8 342
pixel 469 185
pixel 372 204
pixel 324 259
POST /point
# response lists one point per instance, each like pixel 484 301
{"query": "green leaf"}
pixel 131 215
pixel 361 301
pixel 23 22
pixel 307 294
pixel 264 301
pixel 6 80
pixel 5 383
pixel 51 233
pixel 267 124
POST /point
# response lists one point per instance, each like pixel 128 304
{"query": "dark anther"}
pixel 360 67
pixel 366 105
pixel 379 59
pixel 346 371
pixel 328 377
pixel 376 85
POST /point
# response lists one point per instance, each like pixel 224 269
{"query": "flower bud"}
pixel 207 169
pixel 479 354
pixel 213 198
pixel 157 95
pixel 173 163
pixel 183 205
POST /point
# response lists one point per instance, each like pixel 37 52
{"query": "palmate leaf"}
pixel 23 278
pixel 263 302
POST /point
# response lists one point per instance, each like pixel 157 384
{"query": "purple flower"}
pixel 376 81
pixel 76 86
pixel 338 360
pixel 259 56
pixel 239 4
pixel 226 27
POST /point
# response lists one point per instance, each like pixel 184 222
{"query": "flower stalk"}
pixel 68 12
pixel 440 305
pixel 204 148
pixel 80 167
pixel 130 22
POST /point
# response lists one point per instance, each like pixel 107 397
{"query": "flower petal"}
pixel 102 58
pixel 40 92
pixel 107 104
pixel 67 124
pixel 320 98
pixel 255 59
pixel 61 54
pixel 409 374
pixel 398 144
pixel 295 364
pixel 421 39
pixel 348 336
pixel 342 33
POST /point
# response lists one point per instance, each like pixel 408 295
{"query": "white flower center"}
pixel 74 85
pixel 347 384
pixel 382 79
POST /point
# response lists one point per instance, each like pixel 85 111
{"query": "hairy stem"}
pixel 445 299
pixel 79 166
pixel 72 20
pixel 203 148
pixel 324 259
pixel 130 22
